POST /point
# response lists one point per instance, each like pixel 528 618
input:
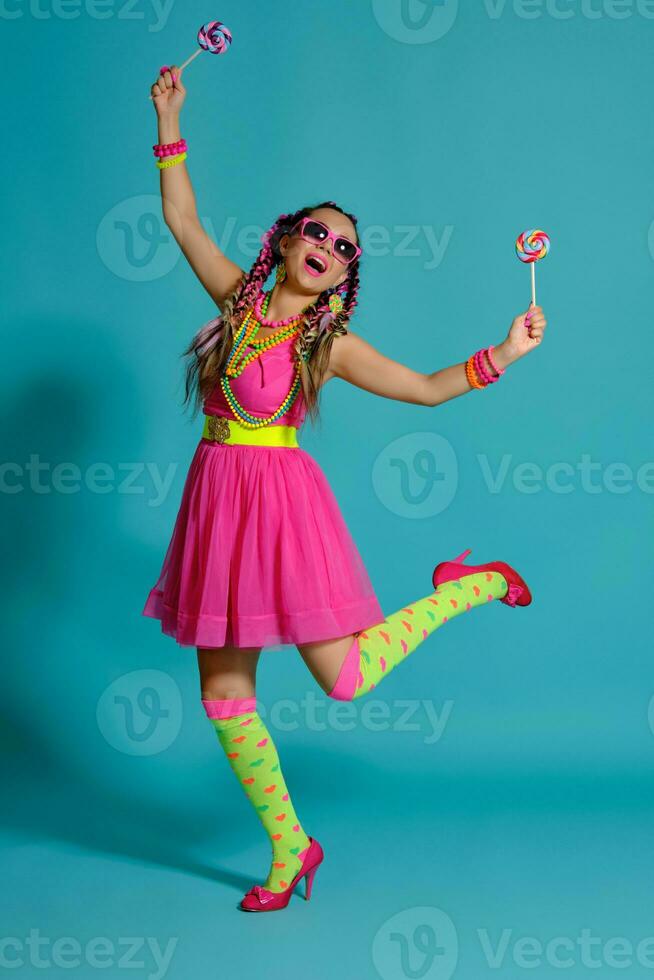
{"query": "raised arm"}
pixel 218 274
pixel 355 360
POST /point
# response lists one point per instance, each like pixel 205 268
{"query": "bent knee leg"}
pixel 335 665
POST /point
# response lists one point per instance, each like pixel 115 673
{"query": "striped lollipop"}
pixel 214 37
pixel 531 246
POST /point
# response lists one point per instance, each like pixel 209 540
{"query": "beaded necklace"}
pixel 234 367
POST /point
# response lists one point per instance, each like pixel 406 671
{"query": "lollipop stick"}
pixel 533 283
pixel 189 60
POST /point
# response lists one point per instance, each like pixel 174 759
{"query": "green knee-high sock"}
pixel 376 651
pixel 253 757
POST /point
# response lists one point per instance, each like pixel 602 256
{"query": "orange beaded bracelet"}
pixel 471 374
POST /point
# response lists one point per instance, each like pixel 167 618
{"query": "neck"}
pixel 286 302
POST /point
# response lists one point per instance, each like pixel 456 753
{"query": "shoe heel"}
pixel 462 556
pixel 308 879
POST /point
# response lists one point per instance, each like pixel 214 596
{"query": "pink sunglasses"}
pixel 315 232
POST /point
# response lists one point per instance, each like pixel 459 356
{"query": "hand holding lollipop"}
pixel 530 247
pixel 213 37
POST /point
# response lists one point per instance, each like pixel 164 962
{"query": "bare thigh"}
pixel 227 672
pixel 325 657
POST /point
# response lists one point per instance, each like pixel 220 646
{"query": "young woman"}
pixel 260 553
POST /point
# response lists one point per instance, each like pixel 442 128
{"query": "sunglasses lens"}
pixel 315 231
pixel 344 250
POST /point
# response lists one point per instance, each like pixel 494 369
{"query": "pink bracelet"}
pixel 481 370
pixel 170 149
pixel 492 362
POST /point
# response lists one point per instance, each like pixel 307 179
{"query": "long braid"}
pixel 211 346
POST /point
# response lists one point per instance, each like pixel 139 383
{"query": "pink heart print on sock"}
pixel 382 647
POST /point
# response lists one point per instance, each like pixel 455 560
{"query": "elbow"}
pixel 428 396
pixel 177 220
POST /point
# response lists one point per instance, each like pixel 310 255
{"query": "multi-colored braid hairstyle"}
pixel 211 346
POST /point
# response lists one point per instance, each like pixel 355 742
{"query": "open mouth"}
pixel 315 264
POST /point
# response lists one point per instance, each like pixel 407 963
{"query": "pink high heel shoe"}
pixel 259 899
pixel 518 594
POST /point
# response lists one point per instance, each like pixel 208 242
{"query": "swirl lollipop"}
pixel 531 246
pixel 213 37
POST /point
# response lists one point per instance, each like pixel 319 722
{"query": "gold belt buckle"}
pixel 218 428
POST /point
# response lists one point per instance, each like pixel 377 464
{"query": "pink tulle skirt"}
pixel 260 554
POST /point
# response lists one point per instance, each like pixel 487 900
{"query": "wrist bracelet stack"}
pixel 476 372
pixel 170 154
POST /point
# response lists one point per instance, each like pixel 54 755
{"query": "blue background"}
pixel 532 811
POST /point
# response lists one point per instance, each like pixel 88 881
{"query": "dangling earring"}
pixel 336 303
pixel 280 274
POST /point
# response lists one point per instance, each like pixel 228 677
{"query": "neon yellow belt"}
pixel 224 430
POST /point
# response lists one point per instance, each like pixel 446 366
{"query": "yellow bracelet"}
pixel 171 161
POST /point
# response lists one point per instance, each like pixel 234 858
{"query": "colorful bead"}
pixel 483 374
pixel 169 149
pixel 234 366
pixel 492 362
pixel 471 374
pixel 260 313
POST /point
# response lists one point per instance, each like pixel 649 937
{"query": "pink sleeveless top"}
pixel 262 386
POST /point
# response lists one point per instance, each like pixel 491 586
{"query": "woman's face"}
pixel 313 268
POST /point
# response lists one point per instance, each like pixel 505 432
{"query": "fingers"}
pixel 170 78
pixel 535 322
pixel 177 78
pixel 163 82
pixel 159 86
